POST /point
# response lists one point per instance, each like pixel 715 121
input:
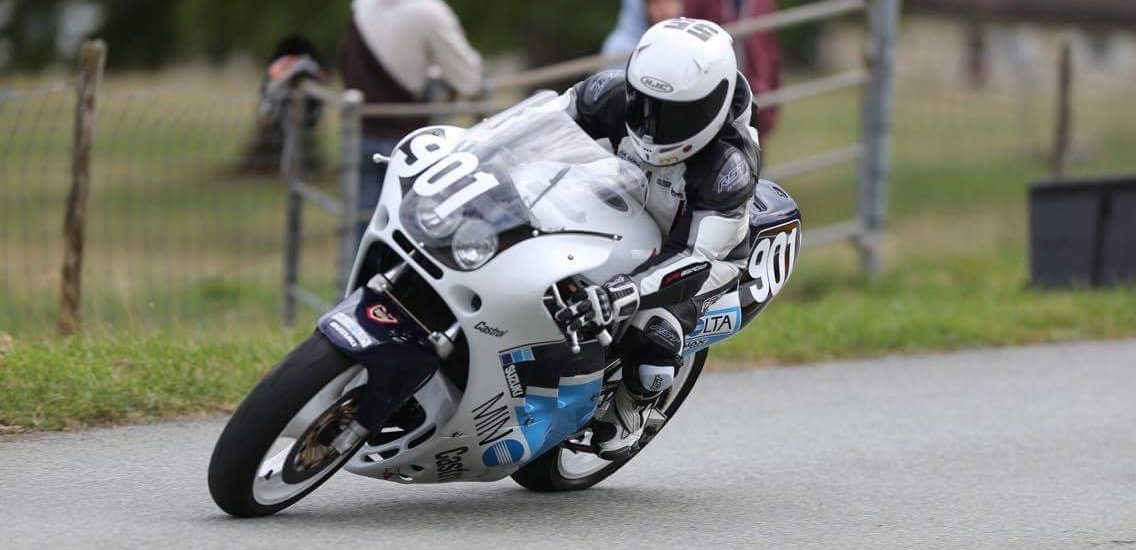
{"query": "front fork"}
pixel 371 327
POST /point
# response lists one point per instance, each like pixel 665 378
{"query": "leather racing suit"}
pixel 701 206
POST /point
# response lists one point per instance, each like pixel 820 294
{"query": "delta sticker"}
pixel 722 320
pixel 503 453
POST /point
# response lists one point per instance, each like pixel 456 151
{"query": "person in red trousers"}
pixel 759 55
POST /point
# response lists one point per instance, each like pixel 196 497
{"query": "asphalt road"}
pixel 1028 448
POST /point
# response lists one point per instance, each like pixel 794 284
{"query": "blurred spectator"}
pixel 387 52
pixel 635 17
pixel 759 55
pixel 293 61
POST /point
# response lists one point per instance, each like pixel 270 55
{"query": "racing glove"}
pixel 601 305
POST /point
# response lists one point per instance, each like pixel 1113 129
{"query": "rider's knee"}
pixel 659 356
pixel 661 333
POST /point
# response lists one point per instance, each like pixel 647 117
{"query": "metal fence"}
pixel 865 230
pixel 184 215
pixel 185 222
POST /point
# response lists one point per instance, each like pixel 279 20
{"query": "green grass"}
pixel 926 306
pixel 829 313
pixel 115 379
pixel 182 286
pixel 169 213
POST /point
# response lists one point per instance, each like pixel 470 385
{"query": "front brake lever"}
pixel 575 341
pixel 572 337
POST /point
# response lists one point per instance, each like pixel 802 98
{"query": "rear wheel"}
pixel 572 466
pixel 277 447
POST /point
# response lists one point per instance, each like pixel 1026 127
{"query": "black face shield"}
pixel 672 121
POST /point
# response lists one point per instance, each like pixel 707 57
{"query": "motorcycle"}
pixel 446 336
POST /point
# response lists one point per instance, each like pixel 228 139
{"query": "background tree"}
pixel 150 34
pixel 30 31
pixel 141 33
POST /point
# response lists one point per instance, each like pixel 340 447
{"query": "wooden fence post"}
pixel 1063 138
pixel 92 61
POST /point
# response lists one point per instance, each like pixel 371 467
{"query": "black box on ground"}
pixel 1083 232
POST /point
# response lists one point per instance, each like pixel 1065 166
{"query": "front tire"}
pixel 562 469
pixel 305 399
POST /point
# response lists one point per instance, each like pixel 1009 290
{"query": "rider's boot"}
pixel 654 356
pixel 618 429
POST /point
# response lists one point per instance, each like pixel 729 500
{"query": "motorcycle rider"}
pixel 681 113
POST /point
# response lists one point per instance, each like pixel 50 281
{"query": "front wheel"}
pixel 277 447
pixel 569 467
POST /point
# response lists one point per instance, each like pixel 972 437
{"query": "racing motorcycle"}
pixel 479 236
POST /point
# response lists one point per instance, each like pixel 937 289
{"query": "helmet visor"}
pixel 672 121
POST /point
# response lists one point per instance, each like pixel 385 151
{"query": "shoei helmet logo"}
pixel 657 85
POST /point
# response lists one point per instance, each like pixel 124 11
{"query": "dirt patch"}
pixel 6 343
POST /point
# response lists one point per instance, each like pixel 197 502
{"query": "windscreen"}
pixel 529 168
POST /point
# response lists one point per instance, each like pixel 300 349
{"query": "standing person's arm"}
pixel 450 51
pixel 629 28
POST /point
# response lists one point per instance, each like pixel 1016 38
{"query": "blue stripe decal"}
pixel 503 453
pixel 546 421
pixel 517 356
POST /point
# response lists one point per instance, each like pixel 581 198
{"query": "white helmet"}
pixel 681 80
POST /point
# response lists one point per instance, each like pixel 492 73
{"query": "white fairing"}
pixel 585 211
pixel 476 435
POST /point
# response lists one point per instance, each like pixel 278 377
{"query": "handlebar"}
pixel 604 337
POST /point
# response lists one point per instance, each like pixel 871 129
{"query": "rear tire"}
pixel 546 473
pixel 261 419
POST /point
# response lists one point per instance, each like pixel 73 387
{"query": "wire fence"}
pixel 189 201
pixel 185 217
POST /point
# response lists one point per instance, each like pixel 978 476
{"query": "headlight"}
pixel 426 214
pixel 474 243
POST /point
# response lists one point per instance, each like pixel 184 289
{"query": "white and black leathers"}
pixel 700 204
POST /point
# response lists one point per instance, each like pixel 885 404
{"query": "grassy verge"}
pixel 965 303
pixel 829 314
pixel 98 380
